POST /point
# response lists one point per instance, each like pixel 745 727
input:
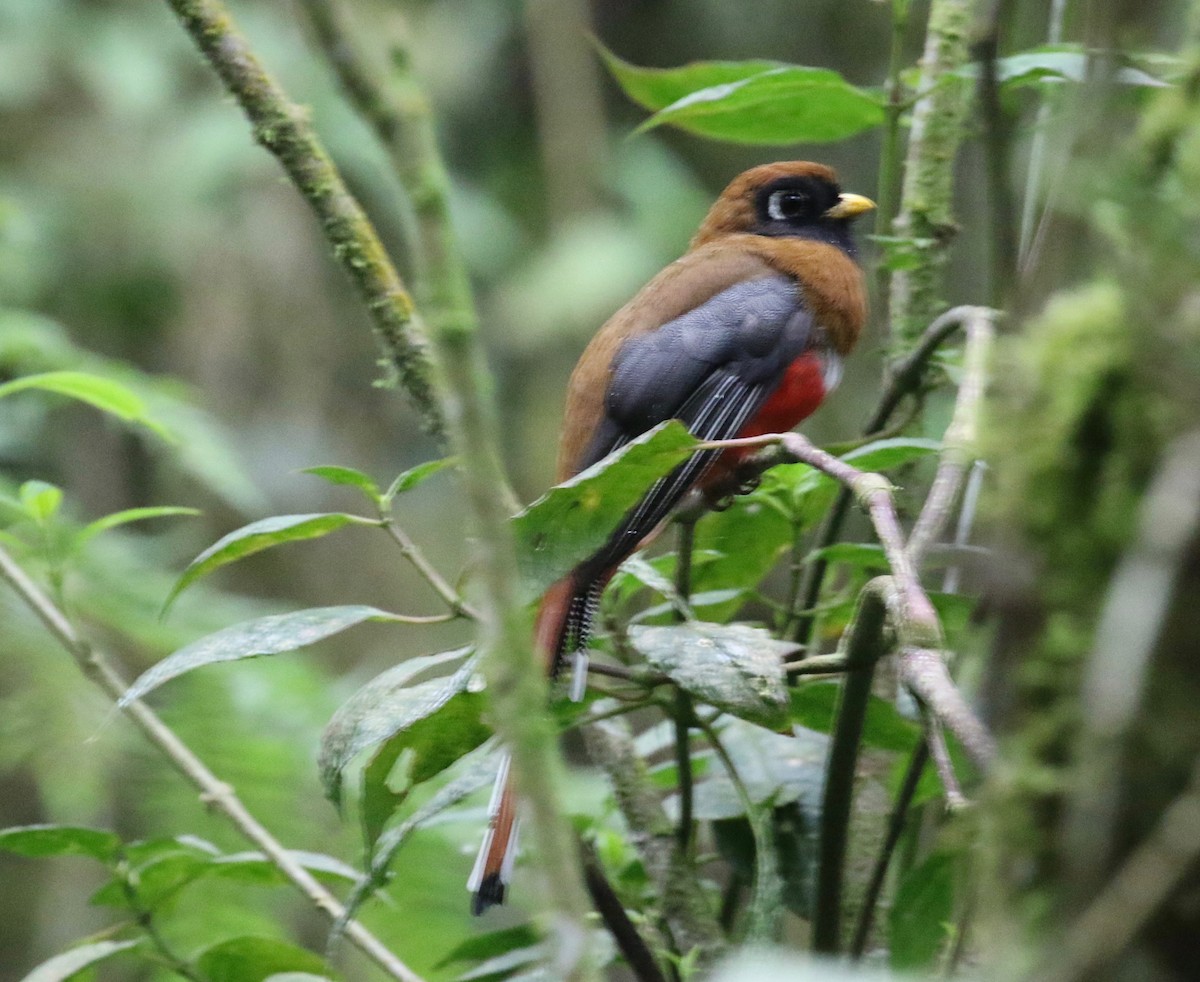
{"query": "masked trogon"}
pixel 743 335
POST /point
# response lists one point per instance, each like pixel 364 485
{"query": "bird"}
pixel 744 335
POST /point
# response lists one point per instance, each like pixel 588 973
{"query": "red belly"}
pixel 799 394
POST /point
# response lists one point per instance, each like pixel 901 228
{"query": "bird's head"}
pixel 794 198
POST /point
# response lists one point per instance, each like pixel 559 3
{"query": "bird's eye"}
pixel 783 206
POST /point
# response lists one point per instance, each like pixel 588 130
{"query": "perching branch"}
pixel 214 792
pixel 282 127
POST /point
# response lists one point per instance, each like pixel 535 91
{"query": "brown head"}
pixel 792 198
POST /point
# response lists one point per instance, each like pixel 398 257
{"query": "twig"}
pixel 897 819
pixel 688 919
pixel 612 912
pixel 428 571
pixel 213 792
pixel 959 442
pixel 818 665
pixel 923 671
pixel 283 128
pixel 903 378
pixel 890 154
pixel 684 711
pixel 939 753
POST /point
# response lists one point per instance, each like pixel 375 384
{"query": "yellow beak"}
pixel 849 206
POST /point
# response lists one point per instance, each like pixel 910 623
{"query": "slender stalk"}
pixel 283 128
pixel 428 571
pixel 896 822
pixel 903 379
pixel 684 712
pixel 632 945
pixel 214 792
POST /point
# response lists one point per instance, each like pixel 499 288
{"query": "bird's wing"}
pixel 712 368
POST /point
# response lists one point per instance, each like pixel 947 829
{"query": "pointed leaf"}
pixel 573 520
pixel 69 963
pixel 102 393
pixel 774 767
pixel 260 535
pixel 251 959
pixel 735 667
pixel 814 706
pixel 657 88
pixel 347 476
pixel 417 475
pixel 255 867
pixel 265 636
pixel 130 515
pixel 437 726
pixel 368 717
pixel 60 840
pixel 40 500
pixel 788 104
pixel 921 913
pixel 883 455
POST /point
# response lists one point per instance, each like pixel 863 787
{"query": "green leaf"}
pixel 260 535
pixel 861 554
pixel 102 393
pixel 368 717
pixel 251 959
pixel 574 519
pixel 736 668
pixel 918 925
pixel 1058 64
pixel 787 104
pixel 415 476
pixel 156 881
pixel 657 88
pixel 483 946
pixel 814 706
pixel 883 455
pixel 255 867
pixel 434 725
pixel 70 963
pixel 794 832
pixel 40 500
pixel 347 476
pixel 265 636
pixel 774 767
pixel 130 515
pixel 60 840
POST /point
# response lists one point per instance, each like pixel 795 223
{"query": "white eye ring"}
pixel 775 204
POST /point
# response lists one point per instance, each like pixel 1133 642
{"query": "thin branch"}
pixel 896 822
pixel 923 672
pixel 961 436
pixel 612 912
pixel 684 712
pixel 428 571
pixel 689 921
pixel 213 792
pixel 818 665
pixel 283 128
pixel 891 155
pixel 903 379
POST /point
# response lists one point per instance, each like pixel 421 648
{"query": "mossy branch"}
pixel 283 128
pixel 926 218
pixel 517 692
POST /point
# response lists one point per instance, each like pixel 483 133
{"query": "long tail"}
pixel 558 624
